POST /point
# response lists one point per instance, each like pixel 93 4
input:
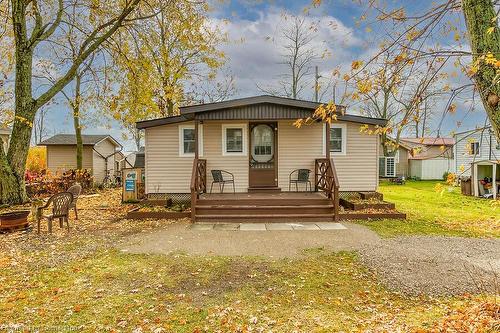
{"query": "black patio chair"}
pixel 222 178
pixel 299 176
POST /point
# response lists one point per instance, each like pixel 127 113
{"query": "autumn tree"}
pixel 33 23
pixel 422 34
pixel 298 55
pixel 178 49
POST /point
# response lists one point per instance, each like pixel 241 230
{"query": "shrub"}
pixel 37 160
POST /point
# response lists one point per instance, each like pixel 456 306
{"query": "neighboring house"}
pixel 255 139
pixel 473 146
pixel 431 157
pixel 397 164
pixel 100 153
pixel 5 136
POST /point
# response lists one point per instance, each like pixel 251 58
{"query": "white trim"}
pixel 244 128
pixel 344 140
pixel 181 140
pixel 396 156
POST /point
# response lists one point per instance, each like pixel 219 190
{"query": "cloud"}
pixel 256 48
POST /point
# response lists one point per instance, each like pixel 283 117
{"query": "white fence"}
pixel 433 168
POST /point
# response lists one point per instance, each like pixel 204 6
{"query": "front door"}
pixel 263 155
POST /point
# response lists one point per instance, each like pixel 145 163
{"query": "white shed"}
pixel 486 178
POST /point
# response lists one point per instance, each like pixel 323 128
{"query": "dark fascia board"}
pixel 362 120
pixel 163 121
pixel 249 101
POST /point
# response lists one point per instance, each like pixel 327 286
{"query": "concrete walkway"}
pixel 413 265
pixel 268 226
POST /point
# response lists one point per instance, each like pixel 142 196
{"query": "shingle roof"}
pixel 430 141
pixel 70 139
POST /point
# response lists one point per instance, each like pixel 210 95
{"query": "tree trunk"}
pixel 479 16
pixel 76 122
pixel 13 166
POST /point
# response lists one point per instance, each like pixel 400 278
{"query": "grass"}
pixel 437 210
pixel 115 291
pixel 81 282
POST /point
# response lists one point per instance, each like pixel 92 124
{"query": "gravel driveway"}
pixel 412 265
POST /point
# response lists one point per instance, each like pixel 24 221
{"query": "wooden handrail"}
pixel 327 181
pixel 198 183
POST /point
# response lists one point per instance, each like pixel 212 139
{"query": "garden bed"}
pixel 147 211
pixel 372 216
pixel 360 204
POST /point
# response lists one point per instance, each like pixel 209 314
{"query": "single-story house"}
pixel 100 154
pixel 396 165
pixel 472 146
pixel 430 157
pixel 255 139
pixel 5 136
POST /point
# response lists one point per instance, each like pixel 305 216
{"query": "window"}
pixel 387 166
pixel 187 140
pixel 338 139
pixel 474 148
pixel 234 140
pixel 390 167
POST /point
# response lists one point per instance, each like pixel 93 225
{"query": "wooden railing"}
pixel 326 180
pixel 198 183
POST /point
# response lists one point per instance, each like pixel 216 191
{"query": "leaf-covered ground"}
pixel 434 208
pixel 80 282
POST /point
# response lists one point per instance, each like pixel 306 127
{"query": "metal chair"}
pixel 76 190
pixel 302 176
pixel 218 176
pixel 60 209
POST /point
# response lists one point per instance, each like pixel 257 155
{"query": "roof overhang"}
pixel 254 108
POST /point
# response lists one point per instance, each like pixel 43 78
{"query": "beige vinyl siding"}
pixel 62 158
pixel 298 148
pixel 357 169
pixel 105 148
pixel 238 165
pixel 166 171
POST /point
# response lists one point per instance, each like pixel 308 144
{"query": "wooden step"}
pixel 264 189
pixel 265 218
pixel 265 202
pixel 263 209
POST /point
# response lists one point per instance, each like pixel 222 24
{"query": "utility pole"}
pixel 316 84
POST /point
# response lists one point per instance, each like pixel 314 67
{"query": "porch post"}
pixel 196 140
pixel 327 139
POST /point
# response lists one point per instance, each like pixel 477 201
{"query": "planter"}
pixel 14 220
pixel 366 205
pixel 136 214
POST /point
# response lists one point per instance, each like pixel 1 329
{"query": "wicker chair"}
pixel 76 190
pixel 222 178
pixel 299 176
pixel 60 208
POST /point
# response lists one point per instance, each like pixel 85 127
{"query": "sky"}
pixel 254 52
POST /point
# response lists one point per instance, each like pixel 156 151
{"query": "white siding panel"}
pixel 463 159
pixel 105 148
pixel 431 169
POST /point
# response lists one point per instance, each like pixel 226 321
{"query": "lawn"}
pixel 438 210
pixel 81 282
